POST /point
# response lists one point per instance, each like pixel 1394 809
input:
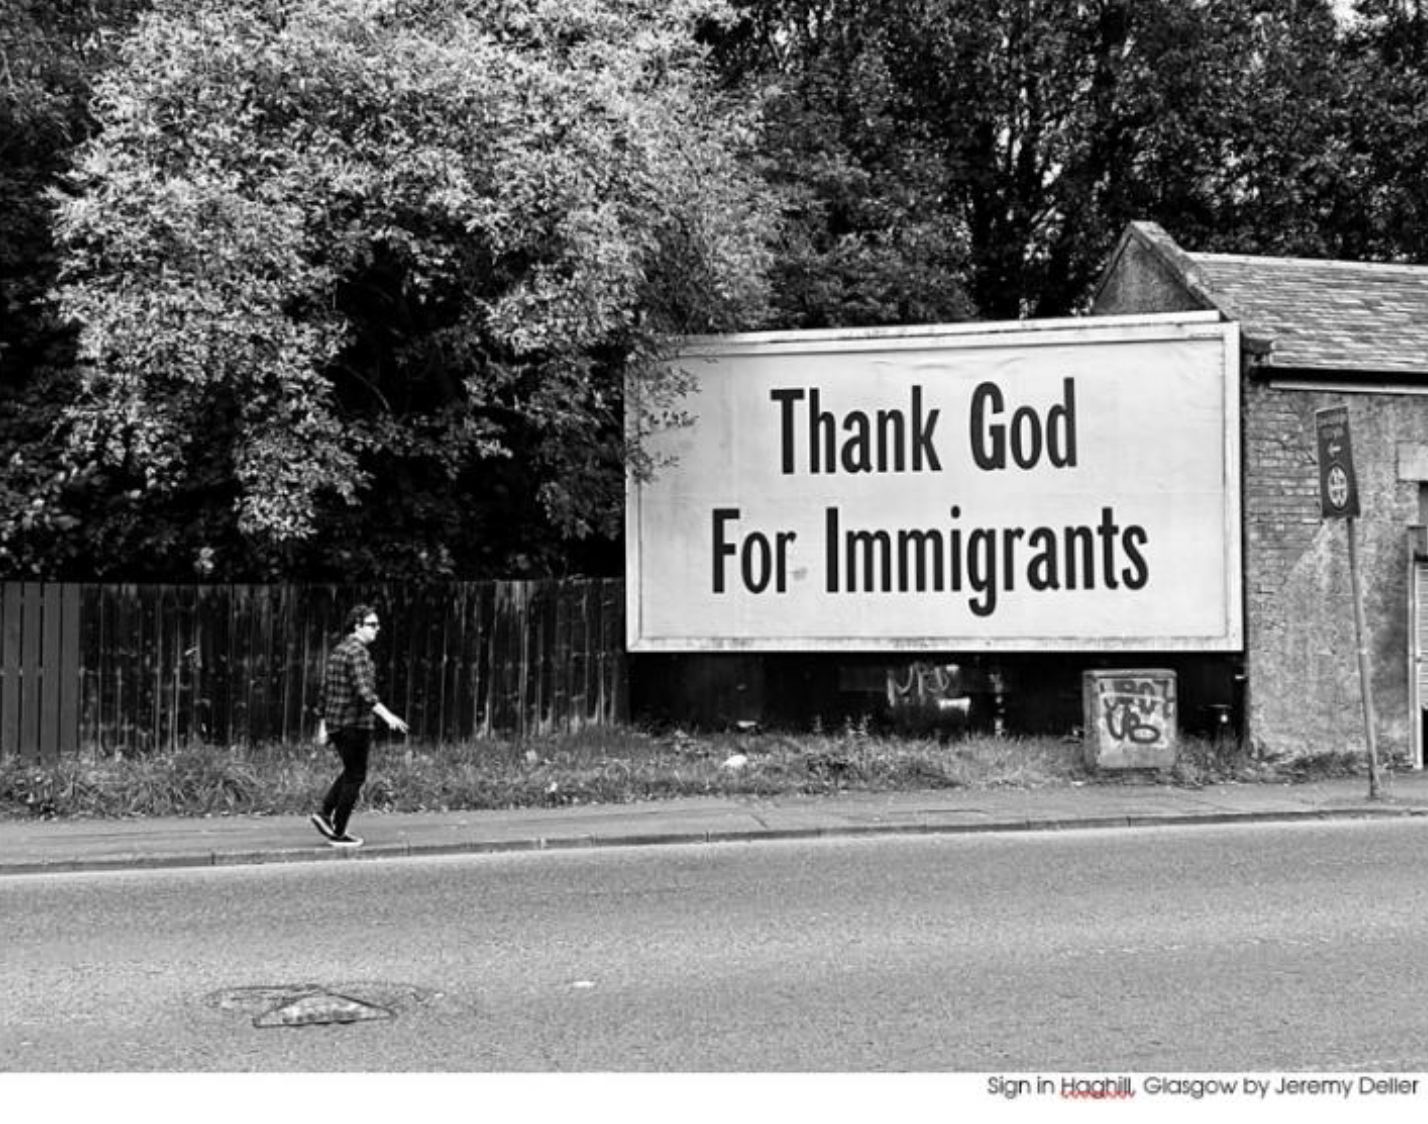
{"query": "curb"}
pixel 287 855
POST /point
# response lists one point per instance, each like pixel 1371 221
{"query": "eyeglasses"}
pixel 371 624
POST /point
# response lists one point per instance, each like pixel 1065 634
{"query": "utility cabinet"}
pixel 1131 718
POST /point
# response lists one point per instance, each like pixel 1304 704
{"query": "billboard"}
pixel 1045 485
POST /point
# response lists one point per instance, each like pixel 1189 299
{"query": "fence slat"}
pixel 123 613
pixel 168 667
pixel 436 664
pixel 10 667
pixel 287 643
pixel 187 662
pixel 518 633
pixel 453 662
pixel 409 620
pixel 69 675
pixel 611 649
pixel 108 703
pixel 485 650
pixel 88 621
pixel 542 623
pixel 147 654
pixel 321 634
pixel 30 639
pixel 507 657
pixel 50 634
pixel 207 672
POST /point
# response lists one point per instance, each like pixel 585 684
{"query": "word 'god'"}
pixel 816 440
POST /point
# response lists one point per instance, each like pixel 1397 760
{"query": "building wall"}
pixel 1303 688
pixel 1142 283
pixel 1302 691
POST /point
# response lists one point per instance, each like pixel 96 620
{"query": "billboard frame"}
pixel 1031 334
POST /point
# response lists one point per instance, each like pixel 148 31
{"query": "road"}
pixel 1245 948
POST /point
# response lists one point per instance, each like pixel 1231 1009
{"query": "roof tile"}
pixel 1326 315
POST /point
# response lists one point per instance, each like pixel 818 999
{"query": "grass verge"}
pixel 597 766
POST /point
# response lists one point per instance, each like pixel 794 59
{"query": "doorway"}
pixel 1418 641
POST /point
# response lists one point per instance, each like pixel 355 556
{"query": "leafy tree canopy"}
pixel 360 282
pixel 48 50
pixel 359 287
pixel 1000 146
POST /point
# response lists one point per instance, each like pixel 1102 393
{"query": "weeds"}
pixel 597 766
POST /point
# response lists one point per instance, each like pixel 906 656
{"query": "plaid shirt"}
pixel 349 689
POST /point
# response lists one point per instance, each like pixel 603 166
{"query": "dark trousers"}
pixel 353 745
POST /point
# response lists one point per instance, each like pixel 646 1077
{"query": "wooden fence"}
pixel 134 668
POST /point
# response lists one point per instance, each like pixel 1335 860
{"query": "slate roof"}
pixel 1325 315
pixel 1303 314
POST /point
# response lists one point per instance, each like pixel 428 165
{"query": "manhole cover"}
pixel 316 1010
pixel 317 1005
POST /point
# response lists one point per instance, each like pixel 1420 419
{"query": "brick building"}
pixel 1316 334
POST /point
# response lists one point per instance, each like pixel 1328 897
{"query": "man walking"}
pixel 349 701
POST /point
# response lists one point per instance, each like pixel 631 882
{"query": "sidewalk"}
pixel 29 847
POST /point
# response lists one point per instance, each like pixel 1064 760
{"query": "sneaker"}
pixel 345 841
pixel 323 825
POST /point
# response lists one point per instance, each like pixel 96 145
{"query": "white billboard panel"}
pixel 1053 485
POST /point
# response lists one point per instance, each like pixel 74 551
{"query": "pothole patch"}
pixel 294 1005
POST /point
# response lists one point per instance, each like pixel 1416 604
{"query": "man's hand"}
pixel 392 721
pixel 320 738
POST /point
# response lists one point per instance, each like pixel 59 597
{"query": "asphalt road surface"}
pixel 1246 948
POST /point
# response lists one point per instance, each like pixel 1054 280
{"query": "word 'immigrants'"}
pixel 983 560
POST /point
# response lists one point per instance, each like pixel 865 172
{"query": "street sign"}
pixel 1339 499
pixel 1338 487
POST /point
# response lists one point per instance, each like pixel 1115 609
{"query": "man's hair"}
pixel 355 615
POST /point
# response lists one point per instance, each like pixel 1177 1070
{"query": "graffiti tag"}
pixel 934 686
pixel 1137 710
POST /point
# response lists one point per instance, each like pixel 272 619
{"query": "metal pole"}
pixel 1365 684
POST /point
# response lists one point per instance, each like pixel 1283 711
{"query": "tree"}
pixel 1250 149
pixel 1005 144
pixel 48 50
pixel 360 283
pixel 865 239
pixel 1384 70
